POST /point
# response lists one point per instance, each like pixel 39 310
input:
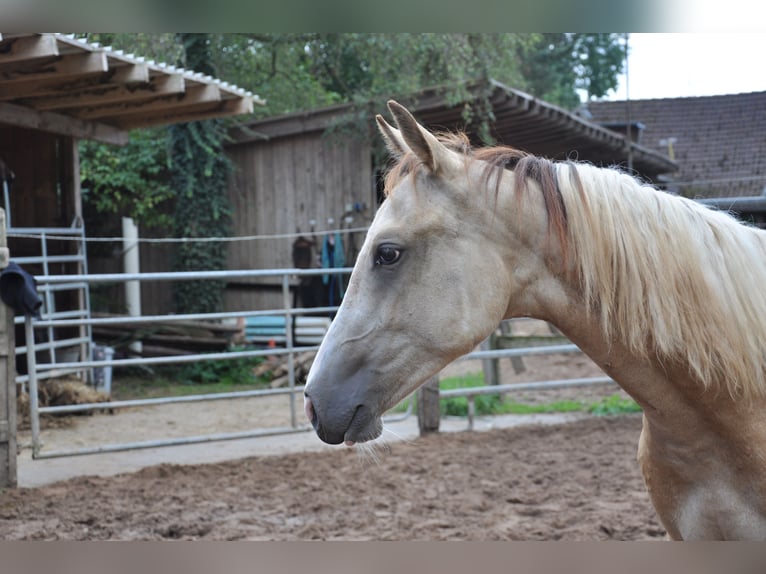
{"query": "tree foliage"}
pixel 131 180
pixel 555 66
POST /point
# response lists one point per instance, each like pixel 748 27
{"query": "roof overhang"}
pixel 521 121
pixel 545 129
pixel 59 84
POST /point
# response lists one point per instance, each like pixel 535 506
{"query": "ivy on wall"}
pixel 199 169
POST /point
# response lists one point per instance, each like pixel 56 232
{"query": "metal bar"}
pixel 153 319
pixel 50 374
pixel 536 386
pixel 7 204
pixel 176 359
pixel 190 275
pixel 34 413
pixel 540 350
pixel 62 286
pixel 167 400
pixel 25 232
pixel 256 433
pixel 50 258
pixel 57 344
pixel 170 442
pixel 289 345
pixel 50 301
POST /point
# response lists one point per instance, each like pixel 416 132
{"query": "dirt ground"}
pixel 576 481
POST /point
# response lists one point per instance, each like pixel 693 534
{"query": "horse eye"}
pixel 387 255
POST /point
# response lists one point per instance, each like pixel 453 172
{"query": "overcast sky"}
pixel 678 65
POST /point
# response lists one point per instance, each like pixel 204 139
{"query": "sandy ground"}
pixel 572 481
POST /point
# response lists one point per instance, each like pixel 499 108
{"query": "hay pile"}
pixel 56 392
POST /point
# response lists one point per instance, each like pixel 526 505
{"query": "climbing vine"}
pixel 199 169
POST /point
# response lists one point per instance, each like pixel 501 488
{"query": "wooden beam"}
pixel 111 93
pixel 232 107
pixel 193 96
pixel 130 73
pixel 21 116
pixel 27 49
pixel 67 70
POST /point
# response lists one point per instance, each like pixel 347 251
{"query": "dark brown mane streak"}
pixel 526 167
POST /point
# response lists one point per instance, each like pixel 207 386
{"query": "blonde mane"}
pixel 670 278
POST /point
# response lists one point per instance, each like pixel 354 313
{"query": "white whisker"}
pixel 389 430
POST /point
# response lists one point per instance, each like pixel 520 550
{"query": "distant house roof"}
pixel 719 142
pixel 521 120
pixel 63 85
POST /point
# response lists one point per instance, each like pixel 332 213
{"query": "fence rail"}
pixel 290 350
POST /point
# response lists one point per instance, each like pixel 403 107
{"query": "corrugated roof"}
pixel 719 142
pixel 521 121
pixel 64 85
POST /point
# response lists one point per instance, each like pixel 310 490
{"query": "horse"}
pixel 666 295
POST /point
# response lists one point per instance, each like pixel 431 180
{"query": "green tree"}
pixel 131 180
pixel 555 66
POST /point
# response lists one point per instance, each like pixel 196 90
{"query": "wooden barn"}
pixel 315 171
pixel 54 91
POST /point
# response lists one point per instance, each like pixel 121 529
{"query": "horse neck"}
pixel 639 301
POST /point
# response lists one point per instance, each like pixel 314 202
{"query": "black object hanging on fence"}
pixel 18 290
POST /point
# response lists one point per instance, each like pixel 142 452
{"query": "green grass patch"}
pixel 614 405
pixel 496 405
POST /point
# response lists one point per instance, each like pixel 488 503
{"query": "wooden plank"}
pixel 69 69
pixel 26 49
pixel 178 98
pixel 112 93
pixel 21 116
pixel 8 447
pixel 198 112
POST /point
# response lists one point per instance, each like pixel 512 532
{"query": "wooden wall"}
pixel 278 187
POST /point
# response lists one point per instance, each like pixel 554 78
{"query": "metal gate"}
pixel 36 371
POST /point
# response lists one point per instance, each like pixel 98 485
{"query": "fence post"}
pixel 289 320
pixel 428 406
pixel 8 477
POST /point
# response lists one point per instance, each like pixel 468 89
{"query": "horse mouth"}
pixel 362 426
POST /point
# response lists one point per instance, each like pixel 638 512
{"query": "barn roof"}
pixel 718 141
pixel 59 84
pixel 521 120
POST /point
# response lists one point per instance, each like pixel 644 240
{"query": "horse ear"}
pixel 422 142
pixel 392 137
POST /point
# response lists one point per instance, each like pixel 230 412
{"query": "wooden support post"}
pixel 490 367
pixel 428 406
pixel 8 477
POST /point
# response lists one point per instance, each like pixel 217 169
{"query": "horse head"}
pixel 430 283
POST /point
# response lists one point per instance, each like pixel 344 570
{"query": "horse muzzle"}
pixel 342 423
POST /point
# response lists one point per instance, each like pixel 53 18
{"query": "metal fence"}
pixel 35 371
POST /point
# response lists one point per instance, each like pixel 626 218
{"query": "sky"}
pixel 693 64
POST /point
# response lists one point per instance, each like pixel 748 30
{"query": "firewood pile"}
pixel 174 338
pixel 276 368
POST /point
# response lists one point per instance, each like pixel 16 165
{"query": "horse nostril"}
pixel 309 410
